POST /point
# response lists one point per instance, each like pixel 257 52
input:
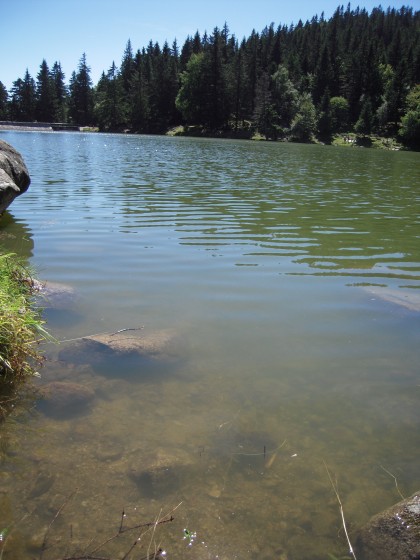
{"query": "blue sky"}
pixel 61 30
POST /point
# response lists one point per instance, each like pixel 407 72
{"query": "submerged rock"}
pixel 54 295
pixel 409 299
pixel 60 398
pixel 14 176
pixel 132 346
pixel 392 534
pixel 159 472
pixel 42 484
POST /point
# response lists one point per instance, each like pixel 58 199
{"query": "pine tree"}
pixel 23 99
pixel 238 81
pixel 218 93
pixel 266 119
pixel 110 108
pixel 4 108
pixel 45 95
pixel 139 111
pixel 81 95
pixel 127 67
pixel 364 123
pixel 60 93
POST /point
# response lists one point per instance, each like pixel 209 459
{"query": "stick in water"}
pixel 341 511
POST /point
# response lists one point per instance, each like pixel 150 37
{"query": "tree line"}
pixel 354 72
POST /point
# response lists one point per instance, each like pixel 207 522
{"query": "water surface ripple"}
pixel 290 275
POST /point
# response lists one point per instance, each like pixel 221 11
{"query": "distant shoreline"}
pixel 345 139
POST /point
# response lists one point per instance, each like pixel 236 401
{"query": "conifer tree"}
pixel 45 95
pixel 127 67
pixel 139 111
pixel 4 108
pixel 364 123
pixel 60 93
pixel 23 99
pixel 266 118
pixel 81 95
pixel 110 108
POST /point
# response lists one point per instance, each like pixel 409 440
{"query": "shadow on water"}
pixel 15 236
pixel 60 318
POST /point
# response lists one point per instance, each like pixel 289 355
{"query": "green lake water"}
pixel 290 275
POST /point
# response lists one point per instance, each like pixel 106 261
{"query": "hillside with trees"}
pixel 356 72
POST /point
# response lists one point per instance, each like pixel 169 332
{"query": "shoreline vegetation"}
pixel 21 331
pixel 349 139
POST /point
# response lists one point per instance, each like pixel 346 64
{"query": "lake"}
pixel 289 276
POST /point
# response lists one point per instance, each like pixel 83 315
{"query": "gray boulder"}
pixel 14 176
pixel 392 534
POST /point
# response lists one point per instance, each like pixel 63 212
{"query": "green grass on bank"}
pixel 20 331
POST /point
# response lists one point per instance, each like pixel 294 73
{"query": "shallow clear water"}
pixel 281 268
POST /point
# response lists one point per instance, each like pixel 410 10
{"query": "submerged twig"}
pixel 165 519
pixel 264 453
pixel 127 329
pixel 395 480
pixel 101 333
pixel 60 509
pixel 334 486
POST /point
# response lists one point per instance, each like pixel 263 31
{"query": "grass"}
pixel 21 330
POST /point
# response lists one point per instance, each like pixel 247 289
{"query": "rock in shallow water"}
pixel 54 295
pixel 393 534
pixel 130 347
pixel 409 299
pixel 159 472
pixel 65 399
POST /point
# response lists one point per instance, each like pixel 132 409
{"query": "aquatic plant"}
pixel 21 330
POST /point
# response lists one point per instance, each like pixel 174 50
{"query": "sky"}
pixel 62 30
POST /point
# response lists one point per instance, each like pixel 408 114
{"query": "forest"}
pixel 357 72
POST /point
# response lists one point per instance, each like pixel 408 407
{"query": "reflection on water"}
pixel 281 269
pixel 15 237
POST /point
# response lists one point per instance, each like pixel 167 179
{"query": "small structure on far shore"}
pixel 38 126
